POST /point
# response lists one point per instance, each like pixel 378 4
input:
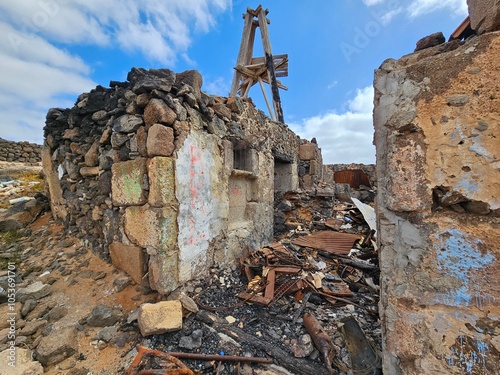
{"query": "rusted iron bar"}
pixel 142 352
pixel 321 340
pixel 216 357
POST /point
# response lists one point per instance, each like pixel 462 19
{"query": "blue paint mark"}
pixel 468 185
pixel 482 347
pixel 458 256
pixel 480 150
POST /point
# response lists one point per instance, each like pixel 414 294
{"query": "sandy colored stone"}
pixel 160 141
pixel 484 15
pixel 150 226
pixel 308 151
pixel 129 259
pixel 163 271
pixel 129 182
pixel 161 317
pixel 24 365
pixel 161 172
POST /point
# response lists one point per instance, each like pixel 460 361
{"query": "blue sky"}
pixel 53 50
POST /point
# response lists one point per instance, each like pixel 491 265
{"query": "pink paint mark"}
pixel 236 191
pixel 196 169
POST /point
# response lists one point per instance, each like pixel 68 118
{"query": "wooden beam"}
pixel 264 32
pixel 267 100
pixel 246 49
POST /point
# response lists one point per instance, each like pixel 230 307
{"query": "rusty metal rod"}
pixel 216 357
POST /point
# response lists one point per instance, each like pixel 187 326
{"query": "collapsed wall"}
pixel 437 134
pixel 166 180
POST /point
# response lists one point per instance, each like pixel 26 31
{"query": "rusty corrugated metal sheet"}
pixel 353 177
pixel 330 241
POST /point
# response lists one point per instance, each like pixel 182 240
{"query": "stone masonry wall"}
pixel 163 178
pixel 437 133
pixel 24 152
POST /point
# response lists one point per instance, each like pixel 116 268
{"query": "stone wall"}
pixel 24 152
pixel 165 179
pixel 437 126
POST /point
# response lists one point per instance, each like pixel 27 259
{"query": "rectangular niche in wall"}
pixel 242 186
pixel 283 175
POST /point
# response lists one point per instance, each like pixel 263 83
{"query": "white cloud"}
pixel 345 137
pixel 415 8
pixel 372 2
pixel 421 7
pixel 331 85
pixel 217 86
pixel 37 70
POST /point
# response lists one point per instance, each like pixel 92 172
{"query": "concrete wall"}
pixel 437 134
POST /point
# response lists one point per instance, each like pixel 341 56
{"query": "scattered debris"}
pixel 364 358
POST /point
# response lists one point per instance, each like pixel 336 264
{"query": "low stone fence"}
pixel 20 151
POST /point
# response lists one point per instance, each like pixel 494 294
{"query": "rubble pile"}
pixel 260 307
pixel 292 307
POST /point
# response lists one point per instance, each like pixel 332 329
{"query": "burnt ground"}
pixel 224 325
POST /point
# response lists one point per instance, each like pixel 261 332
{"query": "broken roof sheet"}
pixel 330 241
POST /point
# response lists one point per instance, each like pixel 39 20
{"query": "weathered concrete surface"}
pixel 436 132
pixel 202 193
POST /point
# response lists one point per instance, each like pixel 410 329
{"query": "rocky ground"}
pixel 75 314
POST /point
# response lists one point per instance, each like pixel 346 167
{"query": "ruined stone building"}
pixel 167 180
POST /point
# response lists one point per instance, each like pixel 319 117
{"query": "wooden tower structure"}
pixel 250 70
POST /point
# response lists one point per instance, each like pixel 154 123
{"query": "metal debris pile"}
pixel 307 299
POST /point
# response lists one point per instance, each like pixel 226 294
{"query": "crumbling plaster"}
pixel 437 132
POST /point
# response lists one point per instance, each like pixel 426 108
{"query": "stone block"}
pixel 129 182
pixel 142 137
pixel 149 226
pixel 313 168
pixel 228 154
pixel 308 182
pixel 158 112
pixel 222 111
pixel 161 172
pixel 127 123
pixel 24 364
pixel 484 15
pixel 91 156
pixel 163 272
pixel 144 81
pixel 129 259
pixel 192 78
pixel 161 317
pixel 59 345
pixel 308 151
pixel 160 141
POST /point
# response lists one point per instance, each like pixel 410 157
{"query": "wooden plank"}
pixel 245 49
pixel 266 99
